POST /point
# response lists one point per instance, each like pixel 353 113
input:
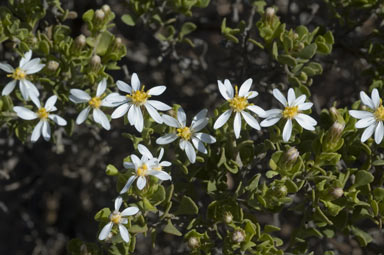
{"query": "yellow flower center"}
pixel 95 102
pixel 184 133
pixel 142 170
pixel 290 112
pixel 42 113
pixel 158 168
pixel 237 103
pixel 18 74
pixel 379 113
pixel 116 217
pixel 139 97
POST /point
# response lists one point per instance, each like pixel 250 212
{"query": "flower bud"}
pixel 290 156
pixel 95 61
pixel 238 236
pixel 295 36
pixel 280 191
pixel 303 76
pixel 228 217
pixel 336 193
pixel 193 242
pixel 99 15
pixel 336 131
pixel 80 41
pixel 72 15
pixel 270 14
pixel 106 9
pixel 52 65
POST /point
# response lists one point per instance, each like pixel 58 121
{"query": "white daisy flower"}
pixel 43 113
pixel 117 218
pixel 292 110
pixel 157 163
pixel 26 67
pixel 133 101
pixel 188 134
pixel 372 121
pixel 79 96
pixel 238 101
pixel 143 168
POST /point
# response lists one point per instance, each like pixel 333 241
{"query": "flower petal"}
pixel 129 165
pixel 256 109
pixel 182 144
pixel 305 106
pixel 223 90
pixel 360 114
pixel 252 94
pixel 135 82
pixel 124 87
pixel 24 89
pixel 50 103
pixel 279 96
pixel 101 119
pixel 124 233
pixel 229 88
pixel 287 131
pixel 200 115
pixel 166 139
pixel 250 120
pixel 57 119
pixel 205 137
pixel 245 87
pixel 222 119
pixel 36 132
pixel 27 56
pixel 25 113
pixel 153 113
pixel 160 106
pixel 135 159
pixel 190 151
pixel 118 202
pixel 170 121
pixel 46 131
pixel 144 151
pixel 83 115
pixel 141 182
pixel 270 121
pixel 199 145
pixel 9 88
pixel 156 91
pixel 101 87
pixel 129 211
pixel 105 231
pixel 113 100
pixel 79 96
pixel 363 123
pixel 139 120
pixel 128 184
pixel 199 125
pixel 181 116
pixel 6 68
pixel 120 111
pixel 291 96
pixel 33 66
pixel 367 133
pixel 366 100
pixel 375 97
pixel 379 133
pixel 237 125
pixel 164 176
pixel 300 100
pixel 31 88
pixel 306 121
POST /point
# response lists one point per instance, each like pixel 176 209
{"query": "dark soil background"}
pixel 50 194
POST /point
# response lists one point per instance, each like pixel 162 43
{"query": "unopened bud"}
pixel 295 36
pixel 228 217
pixel 300 46
pixel 336 131
pixel 270 14
pixel 337 193
pixel 106 9
pixel 99 15
pixel 52 65
pixel 72 15
pixel 291 156
pixel 193 243
pixel 95 61
pixel 281 191
pixel 80 41
pixel 238 236
pixel 303 76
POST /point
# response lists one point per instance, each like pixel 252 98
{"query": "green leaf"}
pixel 328 36
pixel 270 174
pixel 363 177
pixel 127 19
pixel 171 229
pixel 313 68
pixel 103 215
pixel 363 237
pixel 287 59
pixel 88 15
pixel 308 52
pixel 187 28
pixel 105 40
pixel 187 207
pixel 323 48
pixel 379 193
pixel 158 197
pixel 275 50
pixel 378 162
pixel 260 45
pixel 111 170
pixel 291 186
